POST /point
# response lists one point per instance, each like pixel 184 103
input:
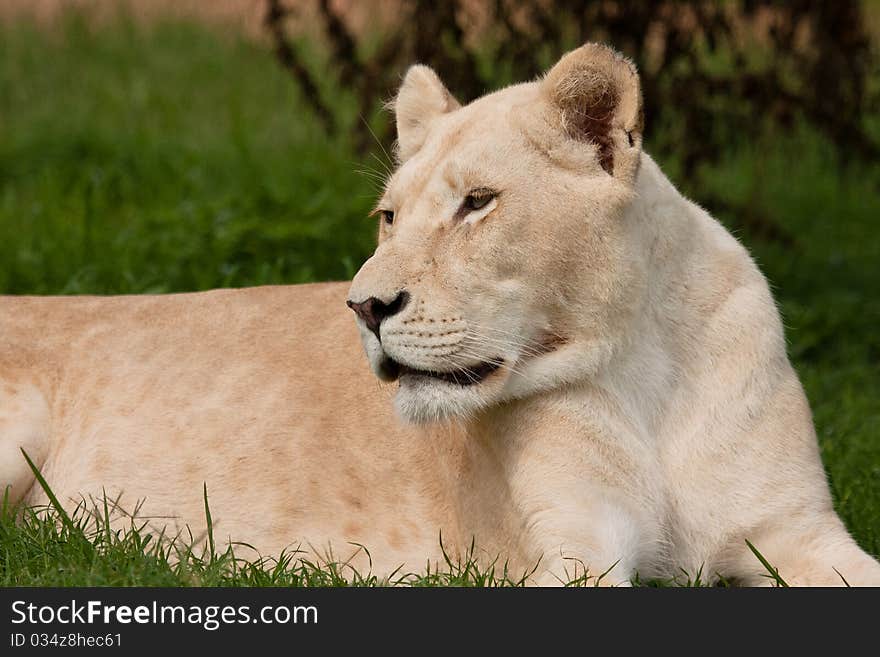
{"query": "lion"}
pixel 580 366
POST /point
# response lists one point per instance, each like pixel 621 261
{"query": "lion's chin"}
pixel 425 399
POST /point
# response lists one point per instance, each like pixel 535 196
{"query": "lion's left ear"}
pixel 597 98
pixel 421 99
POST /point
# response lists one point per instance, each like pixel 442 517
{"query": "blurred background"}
pixel 169 145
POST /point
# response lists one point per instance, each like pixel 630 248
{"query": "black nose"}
pixel 373 311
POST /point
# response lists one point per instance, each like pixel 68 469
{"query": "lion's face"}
pixel 501 247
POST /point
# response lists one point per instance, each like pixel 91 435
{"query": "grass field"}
pixel 176 158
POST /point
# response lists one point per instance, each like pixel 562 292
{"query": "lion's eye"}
pixel 478 199
pixel 388 217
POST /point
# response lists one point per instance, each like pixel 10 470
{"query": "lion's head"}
pixel 503 261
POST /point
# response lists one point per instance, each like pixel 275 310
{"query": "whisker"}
pixel 470 374
pixel 381 145
pixel 518 336
pixel 524 349
pixel 490 359
pixel 507 339
pixel 374 176
pixel 383 164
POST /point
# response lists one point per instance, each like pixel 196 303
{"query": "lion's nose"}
pixel 374 311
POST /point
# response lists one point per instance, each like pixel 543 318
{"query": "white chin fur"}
pixel 420 400
pixel 423 401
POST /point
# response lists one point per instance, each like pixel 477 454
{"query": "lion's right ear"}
pixel 421 99
pixel 598 99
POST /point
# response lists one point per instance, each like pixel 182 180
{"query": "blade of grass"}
pixel 209 521
pixel 774 574
pixel 4 513
pixel 68 523
pixel 840 575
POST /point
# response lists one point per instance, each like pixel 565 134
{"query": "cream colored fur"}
pixel 644 418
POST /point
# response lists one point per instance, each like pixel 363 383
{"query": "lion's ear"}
pixel 597 98
pixel 421 99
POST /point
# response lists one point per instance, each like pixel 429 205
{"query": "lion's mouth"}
pixel 466 376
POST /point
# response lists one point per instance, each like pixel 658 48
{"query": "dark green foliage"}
pixel 712 72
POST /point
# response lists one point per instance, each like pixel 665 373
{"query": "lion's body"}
pixel 152 396
pixel 644 415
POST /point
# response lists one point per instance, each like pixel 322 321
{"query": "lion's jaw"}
pixel 530 290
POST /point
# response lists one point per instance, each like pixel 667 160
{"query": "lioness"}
pixel 589 370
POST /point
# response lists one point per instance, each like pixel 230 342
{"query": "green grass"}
pixel 46 546
pixel 165 161
pixel 175 158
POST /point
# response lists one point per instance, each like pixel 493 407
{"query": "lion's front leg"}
pixel 581 494
pixel 812 549
pixel 596 538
